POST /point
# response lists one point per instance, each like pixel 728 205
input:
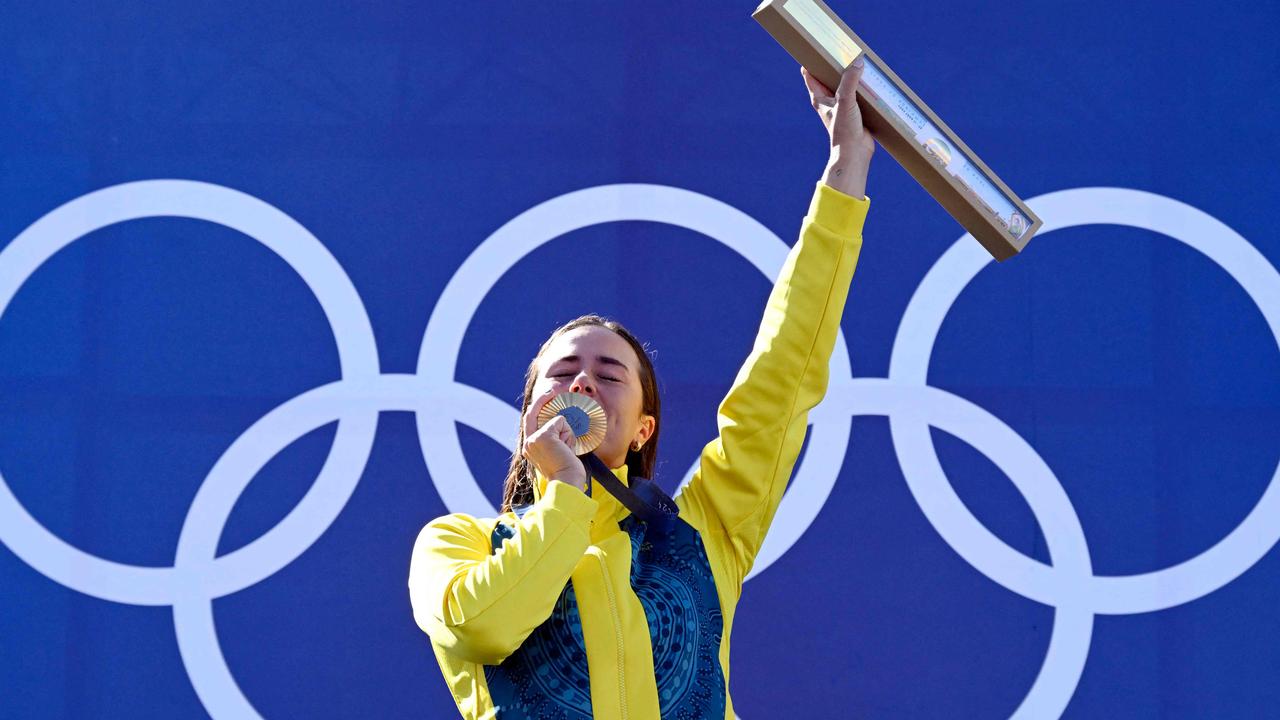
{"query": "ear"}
pixel 645 431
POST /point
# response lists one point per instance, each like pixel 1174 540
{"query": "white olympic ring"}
pixel 198 576
pixel 1069 584
pixel 357 354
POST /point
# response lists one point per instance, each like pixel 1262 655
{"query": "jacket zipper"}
pixel 617 631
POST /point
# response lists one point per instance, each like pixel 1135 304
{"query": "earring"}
pixel 635 446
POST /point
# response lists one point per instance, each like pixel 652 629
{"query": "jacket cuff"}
pixel 571 501
pixel 837 212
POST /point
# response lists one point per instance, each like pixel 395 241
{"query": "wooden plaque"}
pixel 904 126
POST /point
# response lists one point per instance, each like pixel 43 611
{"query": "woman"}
pixel 569 606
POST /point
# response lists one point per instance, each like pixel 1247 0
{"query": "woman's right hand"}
pixel 549 447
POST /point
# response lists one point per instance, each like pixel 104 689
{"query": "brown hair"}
pixel 518 488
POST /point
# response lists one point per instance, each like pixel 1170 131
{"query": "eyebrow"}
pixel 602 359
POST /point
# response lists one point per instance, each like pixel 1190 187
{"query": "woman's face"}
pixel 597 362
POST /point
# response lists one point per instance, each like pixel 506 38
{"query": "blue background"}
pixel 403 134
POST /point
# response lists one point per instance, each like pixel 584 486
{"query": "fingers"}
pixel 535 407
pixel 564 431
pixel 557 426
pixel 550 446
pixel 554 428
pixel 849 80
pixel 816 89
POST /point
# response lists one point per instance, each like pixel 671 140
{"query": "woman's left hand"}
pixel 851 143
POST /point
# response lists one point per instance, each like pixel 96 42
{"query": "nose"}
pixel 582 384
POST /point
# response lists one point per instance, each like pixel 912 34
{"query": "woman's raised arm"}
pixel 742 474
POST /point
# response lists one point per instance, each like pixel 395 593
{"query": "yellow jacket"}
pixel 575 609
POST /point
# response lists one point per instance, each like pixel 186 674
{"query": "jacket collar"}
pixel 609 507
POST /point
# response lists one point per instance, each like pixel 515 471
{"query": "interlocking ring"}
pixel 198 576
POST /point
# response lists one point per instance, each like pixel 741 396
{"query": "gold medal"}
pixel 585 416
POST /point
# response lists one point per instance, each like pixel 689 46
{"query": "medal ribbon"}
pixel 643 498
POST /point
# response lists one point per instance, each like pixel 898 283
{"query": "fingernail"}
pixel 858 62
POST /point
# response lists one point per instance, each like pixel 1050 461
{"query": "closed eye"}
pixel 570 374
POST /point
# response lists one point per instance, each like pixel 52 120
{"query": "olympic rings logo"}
pixel 198 575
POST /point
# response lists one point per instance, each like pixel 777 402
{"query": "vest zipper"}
pixel 617 631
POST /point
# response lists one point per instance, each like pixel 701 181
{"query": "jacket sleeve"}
pixel 742 474
pixel 480 604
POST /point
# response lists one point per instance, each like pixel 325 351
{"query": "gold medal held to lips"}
pixel 585 416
